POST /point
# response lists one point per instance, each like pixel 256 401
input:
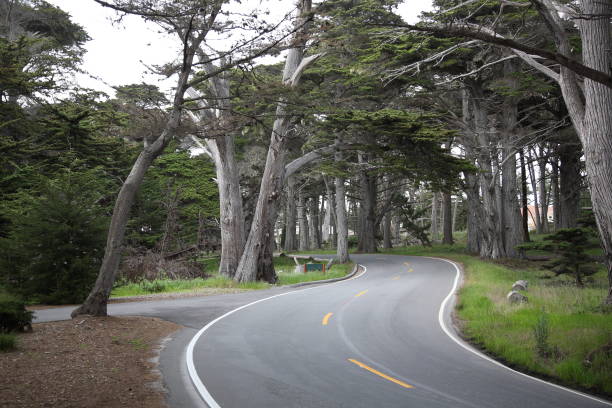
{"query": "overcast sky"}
pixel 120 53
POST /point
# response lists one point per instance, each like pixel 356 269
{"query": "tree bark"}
pixel 556 196
pixel 313 223
pixel 512 233
pixel 524 198
pixel 492 244
pixel 342 255
pixel 447 216
pixel 570 184
pixel 596 126
pixel 367 228
pixel 535 215
pixel 304 244
pixel 543 191
pixel 434 217
pixel 290 216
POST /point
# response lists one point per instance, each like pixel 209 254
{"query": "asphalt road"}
pixel 380 339
pixel 373 341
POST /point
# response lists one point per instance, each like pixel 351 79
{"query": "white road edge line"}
pixel 193 374
pixel 481 355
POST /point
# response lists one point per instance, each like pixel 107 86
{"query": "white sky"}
pixel 119 54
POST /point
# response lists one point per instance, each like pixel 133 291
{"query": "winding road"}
pixel 383 338
pixel 377 340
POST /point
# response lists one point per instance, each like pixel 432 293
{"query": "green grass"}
pixel 336 271
pixel 576 319
pixel 8 342
pixel 285 268
pixel 182 285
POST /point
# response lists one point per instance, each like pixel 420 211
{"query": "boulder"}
pixel 516 297
pixel 520 285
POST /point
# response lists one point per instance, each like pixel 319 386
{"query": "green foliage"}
pixel 541 334
pixel 409 215
pixel 8 342
pixel 571 245
pixel 180 183
pixel 55 245
pixel 13 314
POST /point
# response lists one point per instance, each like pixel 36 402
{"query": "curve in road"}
pixel 380 339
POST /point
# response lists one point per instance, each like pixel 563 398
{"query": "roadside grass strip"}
pixel 577 332
pixel 378 373
pixel 285 268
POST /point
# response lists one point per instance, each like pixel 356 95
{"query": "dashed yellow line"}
pixel 410 270
pixel 378 373
pixel 326 319
pixel 407 263
pixel 363 292
pixel 395 277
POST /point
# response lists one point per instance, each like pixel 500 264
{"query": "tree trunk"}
pixel 524 198
pixel 471 188
pixel 542 162
pixel 303 223
pixel 230 206
pixel 597 123
pixel 492 244
pixel 387 231
pixel 313 222
pixel 96 301
pixel 447 216
pixel 535 215
pixel 367 228
pixel 556 196
pixel 570 184
pixel 513 235
pixel 434 217
pixel 342 255
pixel 290 217
pixel 256 260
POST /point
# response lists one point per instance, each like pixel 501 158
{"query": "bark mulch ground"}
pixel 86 362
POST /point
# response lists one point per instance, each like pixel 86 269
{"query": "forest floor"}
pixel 89 362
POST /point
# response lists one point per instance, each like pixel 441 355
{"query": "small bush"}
pixel 155 286
pixel 8 342
pixel 13 314
pixel 541 332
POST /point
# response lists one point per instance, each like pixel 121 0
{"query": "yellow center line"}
pixel 378 373
pixel 363 292
pixel 410 270
pixel 326 319
pixel 395 278
pixel 407 263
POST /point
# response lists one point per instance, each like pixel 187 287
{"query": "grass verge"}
pixel 563 332
pixel 8 342
pixel 285 268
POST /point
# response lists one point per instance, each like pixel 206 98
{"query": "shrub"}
pixel 55 246
pixel 13 314
pixel 571 245
pixel 8 342
pixel 541 333
pixel 155 286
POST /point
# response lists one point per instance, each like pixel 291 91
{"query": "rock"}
pixel 516 297
pixel 520 285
